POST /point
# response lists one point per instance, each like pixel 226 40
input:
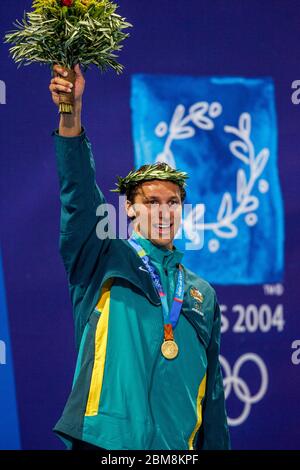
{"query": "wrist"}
pixel 70 124
pixel 77 108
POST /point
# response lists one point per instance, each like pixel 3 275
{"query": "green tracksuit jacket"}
pixel 125 394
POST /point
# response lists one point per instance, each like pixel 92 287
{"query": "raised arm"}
pixel 80 196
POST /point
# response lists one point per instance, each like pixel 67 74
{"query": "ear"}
pixel 129 209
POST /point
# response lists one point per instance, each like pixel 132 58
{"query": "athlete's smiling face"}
pixel 157 209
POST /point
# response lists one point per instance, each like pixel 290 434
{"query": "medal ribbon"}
pixel 170 316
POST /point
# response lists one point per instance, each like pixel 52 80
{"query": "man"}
pixel 148 329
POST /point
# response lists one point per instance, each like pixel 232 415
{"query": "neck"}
pixel 170 246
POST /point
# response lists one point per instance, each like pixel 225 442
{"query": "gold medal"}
pixel 169 349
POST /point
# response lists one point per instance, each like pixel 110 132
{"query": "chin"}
pixel 162 241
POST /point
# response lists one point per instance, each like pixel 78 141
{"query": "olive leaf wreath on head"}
pixel 160 171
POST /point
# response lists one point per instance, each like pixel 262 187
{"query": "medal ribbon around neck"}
pixel 171 316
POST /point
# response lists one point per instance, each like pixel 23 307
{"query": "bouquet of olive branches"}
pixel 67 32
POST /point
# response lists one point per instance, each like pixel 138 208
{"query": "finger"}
pixel 60 70
pixel 61 81
pixel 55 87
pixel 77 70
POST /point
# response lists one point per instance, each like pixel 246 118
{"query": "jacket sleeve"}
pixel 214 433
pixel 80 196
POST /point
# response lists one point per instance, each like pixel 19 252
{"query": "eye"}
pixel 174 203
pixel 153 202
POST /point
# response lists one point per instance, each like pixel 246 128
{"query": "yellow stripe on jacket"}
pixel 201 393
pixel 93 401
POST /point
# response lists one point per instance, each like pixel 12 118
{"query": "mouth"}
pixel 163 229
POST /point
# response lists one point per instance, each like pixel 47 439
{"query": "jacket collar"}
pixel 167 258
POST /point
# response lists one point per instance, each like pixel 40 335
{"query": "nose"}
pixel 164 212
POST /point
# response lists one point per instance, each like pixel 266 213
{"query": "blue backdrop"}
pixel 242 55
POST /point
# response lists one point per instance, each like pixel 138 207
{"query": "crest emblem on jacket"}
pixel 198 300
